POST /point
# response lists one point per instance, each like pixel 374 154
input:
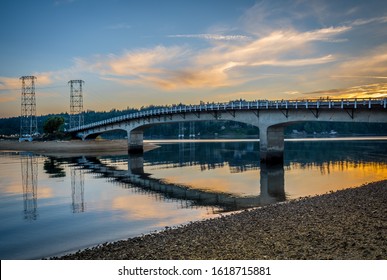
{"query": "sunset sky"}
pixel 137 53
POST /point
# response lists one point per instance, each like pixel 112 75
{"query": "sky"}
pixel 139 53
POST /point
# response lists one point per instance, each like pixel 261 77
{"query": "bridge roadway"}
pixel 270 117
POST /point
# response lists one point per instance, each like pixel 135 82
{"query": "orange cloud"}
pixel 219 65
pixel 272 49
pixel 8 98
pixel 361 91
pixel 9 92
pixel 9 83
pixel 44 78
pixel 143 62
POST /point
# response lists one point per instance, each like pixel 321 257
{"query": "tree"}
pixel 53 125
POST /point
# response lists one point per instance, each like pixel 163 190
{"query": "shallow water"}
pixel 50 206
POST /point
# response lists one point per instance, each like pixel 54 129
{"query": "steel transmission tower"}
pixel 76 103
pixel 28 123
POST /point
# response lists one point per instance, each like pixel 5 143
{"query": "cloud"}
pixel 265 17
pixel 218 65
pixel 216 37
pixel 363 21
pixel 278 49
pixel 8 98
pixel 292 92
pixel 358 76
pixel 134 63
pixel 43 78
pixel 274 46
pixel 10 88
pixel 297 62
pixel 362 91
pixel 9 83
pixel 369 66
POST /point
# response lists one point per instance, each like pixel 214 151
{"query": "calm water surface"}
pixel 50 206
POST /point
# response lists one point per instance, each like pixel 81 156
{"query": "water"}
pixel 50 206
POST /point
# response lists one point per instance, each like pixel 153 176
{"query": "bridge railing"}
pixel 246 105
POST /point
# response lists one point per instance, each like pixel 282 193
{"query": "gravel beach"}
pixel 347 224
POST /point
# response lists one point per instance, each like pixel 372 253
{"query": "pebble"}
pixel 347 224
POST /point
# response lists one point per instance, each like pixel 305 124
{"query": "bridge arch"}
pixel 91 136
pixel 136 132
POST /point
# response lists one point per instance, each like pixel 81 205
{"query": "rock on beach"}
pixel 347 224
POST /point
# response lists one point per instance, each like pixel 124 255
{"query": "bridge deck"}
pixel 369 103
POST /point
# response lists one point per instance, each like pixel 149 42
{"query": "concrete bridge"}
pixel 270 117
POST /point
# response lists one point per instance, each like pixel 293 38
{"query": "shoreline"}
pixel 346 224
pixel 72 148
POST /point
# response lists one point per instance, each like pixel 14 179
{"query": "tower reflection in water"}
pixel 77 189
pixel 29 170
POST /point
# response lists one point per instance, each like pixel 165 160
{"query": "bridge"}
pixel 270 117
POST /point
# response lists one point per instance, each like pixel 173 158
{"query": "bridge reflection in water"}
pixel 272 185
pixel 150 175
pixel 167 171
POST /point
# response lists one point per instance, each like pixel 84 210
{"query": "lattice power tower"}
pixel 76 103
pixel 28 122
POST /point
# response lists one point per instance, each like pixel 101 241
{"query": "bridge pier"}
pixel 135 141
pixel 271 147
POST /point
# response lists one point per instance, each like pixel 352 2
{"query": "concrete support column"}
pixel 135 141
pixel 271 144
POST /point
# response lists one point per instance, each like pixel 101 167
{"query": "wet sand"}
pixel 347 224
pixel 71 148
